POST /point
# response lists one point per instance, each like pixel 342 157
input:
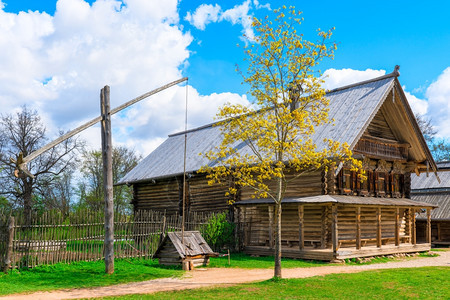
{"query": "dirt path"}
pixel 222 276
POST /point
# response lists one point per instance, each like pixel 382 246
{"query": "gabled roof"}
pixel 442 200
pixel 424 183
pixel 352 107
pixel 194 244
pixel 428 189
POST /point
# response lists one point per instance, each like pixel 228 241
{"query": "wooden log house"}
pixel 426 189
pixel 326 215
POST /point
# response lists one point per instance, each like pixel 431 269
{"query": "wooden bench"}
pixel 364 242
pixel 292 243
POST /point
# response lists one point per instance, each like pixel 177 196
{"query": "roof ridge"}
pixel 194 129
pixel 394 74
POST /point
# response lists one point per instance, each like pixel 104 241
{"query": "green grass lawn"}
pixel 82 274
pixel 91 274
pixel 420 283
pixel 241 260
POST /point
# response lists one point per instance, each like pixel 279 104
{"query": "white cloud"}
pixel 203 15
pixel 166 114
pixel 438 95
pixel 258 6
pixel 419 106
pixel 337 78
pixel 58 64
pixel 239 14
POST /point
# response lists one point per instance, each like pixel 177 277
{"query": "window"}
pixel 381 183
pixel 397 185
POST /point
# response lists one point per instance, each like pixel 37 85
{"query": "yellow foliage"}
pixel 289 104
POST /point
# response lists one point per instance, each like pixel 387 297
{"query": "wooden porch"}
pixel 343 253
pixel 333 227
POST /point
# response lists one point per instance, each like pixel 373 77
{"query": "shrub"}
pixel 218 232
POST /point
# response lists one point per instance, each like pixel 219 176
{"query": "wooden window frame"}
pixel 381 184
pixel 364 186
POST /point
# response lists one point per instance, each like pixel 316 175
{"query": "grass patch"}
pixel 428 254
pixel 241 260
pixel 422 283
pixel 440 249
pixel 82 275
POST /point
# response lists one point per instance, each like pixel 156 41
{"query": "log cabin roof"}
pixel 429 190
pixel 352 107
pixel 424 182
pixel 340 199
pixel 194 244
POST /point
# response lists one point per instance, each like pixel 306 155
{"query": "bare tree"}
pixel 56 191
pixel 20 135
pixel 124 160
pixel 426 127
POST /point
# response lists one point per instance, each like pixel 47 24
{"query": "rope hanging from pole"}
pixel 183 218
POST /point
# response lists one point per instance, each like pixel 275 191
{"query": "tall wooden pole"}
pixel 9 247
pixel 107 179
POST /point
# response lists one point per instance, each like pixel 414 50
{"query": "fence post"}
pixel 163 231
pixel 9 249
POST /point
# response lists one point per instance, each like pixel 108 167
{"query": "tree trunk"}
pixel 27 200
pixel 277 270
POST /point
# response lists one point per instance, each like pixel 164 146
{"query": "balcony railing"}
pixel 381 148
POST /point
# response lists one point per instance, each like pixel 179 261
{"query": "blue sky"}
pixel 65 55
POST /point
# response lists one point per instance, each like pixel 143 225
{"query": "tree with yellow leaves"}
pixel 263 143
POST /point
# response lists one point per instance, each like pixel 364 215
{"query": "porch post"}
pixel 334 229
pixel 379 227
pixel 244 226
pixel 270 211
pixel 237 231
pixel 438 231
pixel 301 228
pixel 409 225
pixel 397 227
pixel 324 231
pixel 358 227
pixel 428 226
pixel 413 222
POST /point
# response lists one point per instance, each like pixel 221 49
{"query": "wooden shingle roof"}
pixel 352 107
pixel 194 244
pixel 341 199
pixel 429 190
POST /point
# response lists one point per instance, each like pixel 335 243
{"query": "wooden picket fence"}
pixel 53 238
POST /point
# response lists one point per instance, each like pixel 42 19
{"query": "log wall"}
pixel 440 231
pixel 169 255
pixel 206 198
pixel 167 194
pixel 379 127
pixel 306 185
pixel 162 195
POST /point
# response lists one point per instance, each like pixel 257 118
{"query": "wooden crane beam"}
pixel 21 162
